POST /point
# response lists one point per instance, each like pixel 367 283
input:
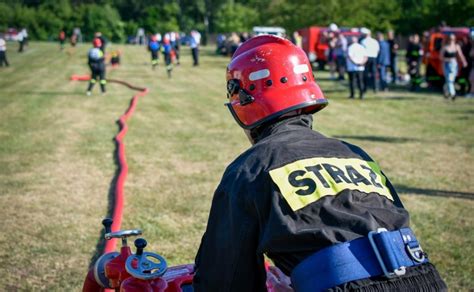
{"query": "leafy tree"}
pixel 104 19
pixel 235 17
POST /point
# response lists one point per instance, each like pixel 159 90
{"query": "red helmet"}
pixel 97 43
pixel 268 77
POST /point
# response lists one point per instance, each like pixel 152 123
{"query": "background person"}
pixel 471 74
pixel 340 52
pixel 332 40
pixel 449 54
pixel 372 47
pixel 195 42
pixel 464 82
pixel 3 52
pixel 383 60
pixel 356 59
pixel 96 62
pixel 167 51
pixel 62 39
pixel 154 48
pixel 393 55
pixel 414 55
pixel 21 41
pixel 175 44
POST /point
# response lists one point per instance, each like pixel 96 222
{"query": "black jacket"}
pixel 291 194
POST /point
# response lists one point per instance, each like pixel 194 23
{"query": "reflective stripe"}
pixel 93 81
pixel 103 81
pixel 260 74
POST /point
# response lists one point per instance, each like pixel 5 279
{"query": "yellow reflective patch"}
pixel 305 181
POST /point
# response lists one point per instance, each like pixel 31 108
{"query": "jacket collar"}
pixel 286 124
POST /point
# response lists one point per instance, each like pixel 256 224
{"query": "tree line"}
pixel 117 19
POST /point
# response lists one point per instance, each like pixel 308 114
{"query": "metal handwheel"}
pixel 145 265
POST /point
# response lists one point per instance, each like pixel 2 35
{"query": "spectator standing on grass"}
pixel 372 47
pixel 340 52
pixel 449 54
pixel 195 42
pixel 332 40
pixel 471 74
pixel 393 55
pixel 21 41
pixel 3 52
pixel 413 56
pixel 464 82
pixel 356 59
pixel 383 61
pixel 77 32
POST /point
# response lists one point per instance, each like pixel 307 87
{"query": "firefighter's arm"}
pixel 227 259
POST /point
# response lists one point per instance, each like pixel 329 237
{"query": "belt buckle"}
pixel 389 274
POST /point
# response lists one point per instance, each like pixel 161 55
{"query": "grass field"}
pixel 56 161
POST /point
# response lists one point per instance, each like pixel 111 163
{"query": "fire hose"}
pixel 123 166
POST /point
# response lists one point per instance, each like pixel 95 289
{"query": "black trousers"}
pixel 97 73
pixel 415 76
pixel 154 58
pixel 3 59
pixel 195 52
pixel 370 74
pixel 356 78
pixel 176 51
pixel 420 278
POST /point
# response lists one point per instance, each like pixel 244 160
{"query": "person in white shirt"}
pixel 355 61
pixel 195 41
pixel 20 37
pixel 372 47
pixel 3 52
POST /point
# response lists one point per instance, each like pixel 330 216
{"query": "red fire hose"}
pixel 119 187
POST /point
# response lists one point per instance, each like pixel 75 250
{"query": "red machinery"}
pixel 432 48
pixel 315 42
pixel 142 271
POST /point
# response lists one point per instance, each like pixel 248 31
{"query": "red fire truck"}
pixel 315 42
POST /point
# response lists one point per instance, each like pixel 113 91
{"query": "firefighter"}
pixel 154 48
pixel 97 65
pixel 175 44
pixel 313 204
pixel 167 51
pixel 413 56
pixel 62 39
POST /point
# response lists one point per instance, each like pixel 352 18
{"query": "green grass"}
pixel 56 161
